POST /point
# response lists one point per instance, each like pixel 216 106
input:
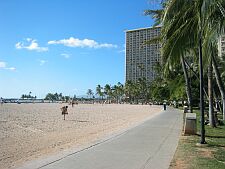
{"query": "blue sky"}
pixel 65 46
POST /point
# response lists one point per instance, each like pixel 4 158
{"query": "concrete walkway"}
pixel 150 145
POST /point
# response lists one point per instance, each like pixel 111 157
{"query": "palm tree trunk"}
pixel 219 83
pixel 195 74
pixel 210 93
pixel 216 106
pixel 187 84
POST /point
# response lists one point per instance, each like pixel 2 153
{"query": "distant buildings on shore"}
pixel 141 57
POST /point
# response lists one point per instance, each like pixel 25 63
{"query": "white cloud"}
pixel 75 90
pixel 122 51
pixel 3 65
pixel 154 2
pixel 65 55
pixel 29 39
pixel 30 44
pixel 74 42
pixel 11 68
pixel 42 62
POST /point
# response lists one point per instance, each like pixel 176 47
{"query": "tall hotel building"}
pixel 141 57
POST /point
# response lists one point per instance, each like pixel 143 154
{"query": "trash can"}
pixel 190 126
pixel 164 106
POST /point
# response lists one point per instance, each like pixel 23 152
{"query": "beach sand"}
pixel 31 131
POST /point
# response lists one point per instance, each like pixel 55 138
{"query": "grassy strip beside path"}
pixel 190 156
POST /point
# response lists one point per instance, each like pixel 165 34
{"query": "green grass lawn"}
pixel 210 156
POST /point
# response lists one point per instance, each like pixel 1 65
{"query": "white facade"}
pixel 221 45
pixel 140 57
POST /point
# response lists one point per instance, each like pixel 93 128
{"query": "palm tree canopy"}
pixel 99 90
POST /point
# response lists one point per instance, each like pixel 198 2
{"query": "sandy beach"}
pixel 31 131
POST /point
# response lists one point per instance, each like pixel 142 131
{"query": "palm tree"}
pixel 120 91
pixel 115 92
pixel 60 96
pixel 214 29
pixel 210 93
pixel 142 85
pixel 90 93
pixel 222 67
pixel 108 92
pixel 141 69
pixel 131 91
pixel 221 80
pixel 99 91
pixel 187 83
pixel 23 96
pixel 220 84
pixel 56 96
pixel 128 89
pixel 184 29
pixel 188 23
pixel 171 62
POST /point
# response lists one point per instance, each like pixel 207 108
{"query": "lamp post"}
pixel 202 141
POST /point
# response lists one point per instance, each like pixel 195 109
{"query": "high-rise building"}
pixel 141 58
pixel 221 45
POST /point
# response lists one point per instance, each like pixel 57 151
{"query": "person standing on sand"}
pixel 73 102
pixel 1 101
pixel 64 111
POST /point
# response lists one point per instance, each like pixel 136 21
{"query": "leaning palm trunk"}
pixel 220 84
pixel 210 93
pixel 217 106
pixel 187 84
pixel 195 74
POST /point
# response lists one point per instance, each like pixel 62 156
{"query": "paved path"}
pixel 150 145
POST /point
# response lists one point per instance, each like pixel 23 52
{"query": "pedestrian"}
pixel 1 101
pixel 64 111
pixel 73 102
pixel 175 104
pixel 164 105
